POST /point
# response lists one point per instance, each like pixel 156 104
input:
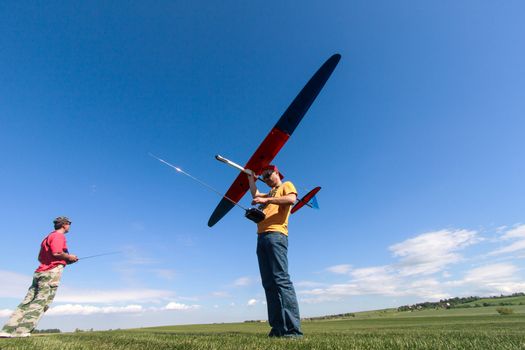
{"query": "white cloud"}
pixel 80 309
pixel 320 299
pixel 17 286
pixel 179 306
pixel 379 280
pixel 419 256
pixel 77 309
pixel 221 294
pixel 431 252
pixel 491 273
pixel 446 274
pixel 428 288
pixel 166 274
pixel 493 279
pixel 518 233
pixel 242 281
pixel 308 284
pixel 5 312
pixel 424 271
pixel 339 269
pixel 134 255
pixel 501 228
pixel 252 302
pixel 514 247
pixel 375 281
pixel 188 298
pixel 66 295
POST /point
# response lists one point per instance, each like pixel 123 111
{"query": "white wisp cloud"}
pixel 242 281
pixel 491 273
pixel 493 279
pixel 431 252
pixel 179 306
pixel 419 257
pixel 17 286
pixel 68 295
pixel 82 309
pixel 5 312
pixel 518 234
pixel 77 309
pixel 342 269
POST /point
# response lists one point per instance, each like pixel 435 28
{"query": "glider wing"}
pixel 277 137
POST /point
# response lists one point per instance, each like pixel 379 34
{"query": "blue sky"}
pixel 416 140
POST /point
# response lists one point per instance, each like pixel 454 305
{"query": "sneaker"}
pixel 5 335
pixel 274 334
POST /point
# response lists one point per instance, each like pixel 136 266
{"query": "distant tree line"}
pixel 329 317
pixel 461 303
pixel 51 330
pixel 317 318
pixel 78 330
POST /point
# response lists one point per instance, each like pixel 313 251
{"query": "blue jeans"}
pixel 283 309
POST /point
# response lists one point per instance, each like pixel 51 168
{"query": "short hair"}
pixel 60 221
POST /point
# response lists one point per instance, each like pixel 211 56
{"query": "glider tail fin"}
pixel 308 200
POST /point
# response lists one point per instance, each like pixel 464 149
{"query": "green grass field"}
pixel 471 328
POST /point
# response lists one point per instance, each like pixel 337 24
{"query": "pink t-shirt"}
pixel 55 242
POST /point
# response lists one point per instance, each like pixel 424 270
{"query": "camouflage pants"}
pixel 37 301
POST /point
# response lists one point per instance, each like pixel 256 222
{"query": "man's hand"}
pixel 284 200
pixel 260 200
pixel 251 174
pixel 71 258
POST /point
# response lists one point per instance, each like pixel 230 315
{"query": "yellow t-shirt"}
pixel 277 215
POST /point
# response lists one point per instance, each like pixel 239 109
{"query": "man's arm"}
pixel 57 243
pixel 70 258
pixel 253 187
pixel 284 200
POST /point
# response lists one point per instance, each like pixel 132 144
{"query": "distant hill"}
pixel 452 303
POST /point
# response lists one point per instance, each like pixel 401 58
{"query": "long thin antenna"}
pixel 195 179
pixel 97 255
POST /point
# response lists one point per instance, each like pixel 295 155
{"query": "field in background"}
pixel 467 328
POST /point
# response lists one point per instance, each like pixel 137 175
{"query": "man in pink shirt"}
pixel 53 257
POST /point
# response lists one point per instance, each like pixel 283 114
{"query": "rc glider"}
pixel 275 140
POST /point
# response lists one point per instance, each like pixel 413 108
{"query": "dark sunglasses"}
pixel 266 175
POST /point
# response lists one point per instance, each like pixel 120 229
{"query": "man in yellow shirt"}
pixel 272 250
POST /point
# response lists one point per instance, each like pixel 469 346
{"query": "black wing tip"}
pixel 222 209
pixel 336 57
pixel 333 61
pixel 213 219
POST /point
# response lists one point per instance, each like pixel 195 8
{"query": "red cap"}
pixel 274 168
